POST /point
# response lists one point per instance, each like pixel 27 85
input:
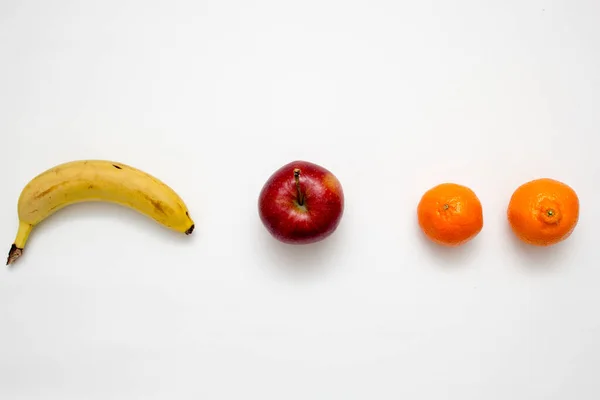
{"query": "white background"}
pixel 392 96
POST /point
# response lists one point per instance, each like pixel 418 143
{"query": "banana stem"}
pixel 13 254
pixel 16 250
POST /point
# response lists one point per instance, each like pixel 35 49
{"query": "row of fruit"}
pixel 300 203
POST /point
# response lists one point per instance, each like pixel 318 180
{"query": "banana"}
pixel 97 180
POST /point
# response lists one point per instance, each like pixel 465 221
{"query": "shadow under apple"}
pixel 300 259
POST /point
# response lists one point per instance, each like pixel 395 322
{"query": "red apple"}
pixel 301 203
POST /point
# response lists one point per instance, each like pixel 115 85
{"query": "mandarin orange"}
pixel 543 212
pixel 450 214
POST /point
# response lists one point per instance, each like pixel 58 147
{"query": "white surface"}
pixel 212 97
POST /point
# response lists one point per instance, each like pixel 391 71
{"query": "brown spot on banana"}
pixel 47 191
pixel 158 206
pixel 53 208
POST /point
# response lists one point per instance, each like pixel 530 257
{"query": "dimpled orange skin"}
pixel 450 214
pixel 543 212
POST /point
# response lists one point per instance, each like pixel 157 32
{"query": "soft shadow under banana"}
pixel 97 180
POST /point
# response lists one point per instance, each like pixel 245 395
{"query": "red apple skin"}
pixel 323 203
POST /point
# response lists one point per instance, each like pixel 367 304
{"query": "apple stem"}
pixel 299 192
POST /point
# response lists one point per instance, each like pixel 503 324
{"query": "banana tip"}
pixel 14 253
pixel 190 230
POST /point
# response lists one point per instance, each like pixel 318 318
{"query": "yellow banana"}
pixel 97 180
